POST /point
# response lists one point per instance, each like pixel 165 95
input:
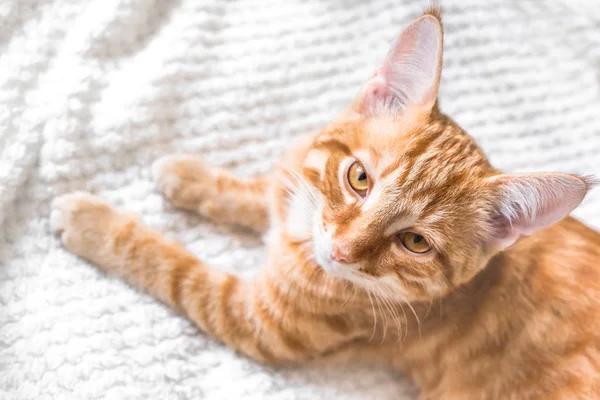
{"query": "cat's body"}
pixel 525 328
pixel 390 241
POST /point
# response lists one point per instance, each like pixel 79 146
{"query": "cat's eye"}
pixel 414 242
pixel 358 179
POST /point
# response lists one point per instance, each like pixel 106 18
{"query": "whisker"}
pixel 293 191
pixel 349 296
pixel 390 289
pixel 374 315
pixel 428 308
pixel 383 316
pixel 300 180
pixel 394 312
pixel 392 297
pixel 416 317
pixel 303 182
pixel 389 308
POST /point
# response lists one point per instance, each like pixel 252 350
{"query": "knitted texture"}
pixel 93 91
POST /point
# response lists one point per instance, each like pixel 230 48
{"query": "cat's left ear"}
pixel 410 75
pixel 523 204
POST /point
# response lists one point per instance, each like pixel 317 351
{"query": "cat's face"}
pixel 398 205
pixel 395 197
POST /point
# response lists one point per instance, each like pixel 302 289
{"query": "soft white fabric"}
pixel 92 91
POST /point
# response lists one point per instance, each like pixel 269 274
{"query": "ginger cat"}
pixel 392 240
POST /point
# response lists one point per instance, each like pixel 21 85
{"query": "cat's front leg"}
pixel 190 183
pixel 248 316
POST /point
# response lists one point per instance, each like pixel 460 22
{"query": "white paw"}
pixel 83 222
pixel 164 174
pixel 63 207
pixel 184 180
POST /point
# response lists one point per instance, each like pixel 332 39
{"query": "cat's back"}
pixel 533 324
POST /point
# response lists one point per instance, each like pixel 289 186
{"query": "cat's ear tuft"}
pixel 526 203
pixel 410 74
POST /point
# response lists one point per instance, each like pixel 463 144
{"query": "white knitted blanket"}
pixel 92 91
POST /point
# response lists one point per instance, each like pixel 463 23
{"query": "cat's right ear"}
pixel 410 75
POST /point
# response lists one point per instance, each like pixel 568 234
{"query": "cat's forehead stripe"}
pixel 333 145
pixel 398 225
pixel 383 192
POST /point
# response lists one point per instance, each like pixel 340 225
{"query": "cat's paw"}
pixel 82 220
pixel 185 181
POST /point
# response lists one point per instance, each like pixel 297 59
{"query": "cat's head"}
pixel 395 196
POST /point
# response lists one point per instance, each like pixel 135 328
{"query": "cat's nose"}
pixel 339 254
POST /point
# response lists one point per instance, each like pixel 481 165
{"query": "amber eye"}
pixel 414 242
pixel 358 179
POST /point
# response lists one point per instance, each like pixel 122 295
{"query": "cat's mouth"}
pixel 334 268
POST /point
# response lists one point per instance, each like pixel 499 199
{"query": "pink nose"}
pixel 339 254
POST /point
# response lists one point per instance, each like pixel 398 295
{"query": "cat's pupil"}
pixel 362 177
pixel 417 238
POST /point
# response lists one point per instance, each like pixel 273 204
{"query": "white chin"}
pixel 334 269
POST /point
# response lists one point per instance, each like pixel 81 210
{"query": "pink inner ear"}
pixel 375 90
pixel 531 202
pixel 410 73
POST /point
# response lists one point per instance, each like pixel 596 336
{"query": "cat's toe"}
pixel 57 218
pixel 164 172
pixel 80 219
pixel 63 207
pixel 184 180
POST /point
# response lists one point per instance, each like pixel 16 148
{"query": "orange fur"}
pixel 468 320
